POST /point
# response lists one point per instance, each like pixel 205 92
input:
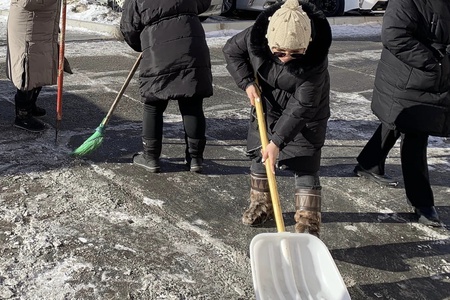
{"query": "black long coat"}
pixel 176 61
pixel 296 95
pixel 413 76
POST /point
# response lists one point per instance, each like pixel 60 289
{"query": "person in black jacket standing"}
pixel 411 97
pixel 286 53
pixel 175 65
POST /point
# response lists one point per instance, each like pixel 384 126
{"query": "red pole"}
pixel 61 68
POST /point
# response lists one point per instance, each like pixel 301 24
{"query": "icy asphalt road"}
pixel 100 228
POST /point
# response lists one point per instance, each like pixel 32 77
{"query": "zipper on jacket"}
pixel 440 81
pixel 443 76
pixel 434 20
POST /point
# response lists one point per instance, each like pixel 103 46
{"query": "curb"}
pixel 114 30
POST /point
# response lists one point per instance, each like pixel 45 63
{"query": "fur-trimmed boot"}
pixel 307 214
pixel 260 209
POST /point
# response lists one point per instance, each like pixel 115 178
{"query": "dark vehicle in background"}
pixel 214 10
pixel 330 7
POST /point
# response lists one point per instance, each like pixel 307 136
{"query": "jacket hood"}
pixel 317 50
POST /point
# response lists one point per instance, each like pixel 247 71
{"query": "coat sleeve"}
pixel 301 108
pixel 203 5
pixel 130 25
pixel 238 59
pixel 401 20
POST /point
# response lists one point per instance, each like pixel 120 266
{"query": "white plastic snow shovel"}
pixel 291 266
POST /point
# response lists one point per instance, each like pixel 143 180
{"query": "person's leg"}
pixel 415 169
pixel 24 118
pixel 194 122
pixel 308 195
pixel 36 110
pixel 260 208
pixel 152 121
pixel 152 134
pixel 415 175
pixel 372 159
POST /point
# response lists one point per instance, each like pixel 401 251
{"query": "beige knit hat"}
pixel 289 27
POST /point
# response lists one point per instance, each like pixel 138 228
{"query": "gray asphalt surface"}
pixel 101 228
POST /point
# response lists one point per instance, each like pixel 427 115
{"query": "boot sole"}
pixel 30 130
pixel 196 169
pixel 423 220
pixel 151 169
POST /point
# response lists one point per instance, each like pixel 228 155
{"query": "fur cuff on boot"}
pixel 308 205
pixel 307 222
pixel 260 209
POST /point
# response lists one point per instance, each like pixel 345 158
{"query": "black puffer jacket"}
pixel 413 76
pixel 296 94
pixel 176 61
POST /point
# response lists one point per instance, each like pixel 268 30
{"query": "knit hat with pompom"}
pixel 289 27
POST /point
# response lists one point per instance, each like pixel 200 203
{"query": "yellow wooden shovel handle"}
pixel 270 176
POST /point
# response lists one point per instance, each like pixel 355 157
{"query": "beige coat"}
pixel 32 39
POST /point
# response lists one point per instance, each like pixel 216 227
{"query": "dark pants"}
pixel 303 179
pixel 413 153
pixel 191 111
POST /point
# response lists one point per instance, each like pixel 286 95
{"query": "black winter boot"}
pixel 194 154
pixel 24 118
pixel 428 215
pixel 260 209
pixel 149 159
pixel 141 160
pixel 36 111
pixel 308 207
